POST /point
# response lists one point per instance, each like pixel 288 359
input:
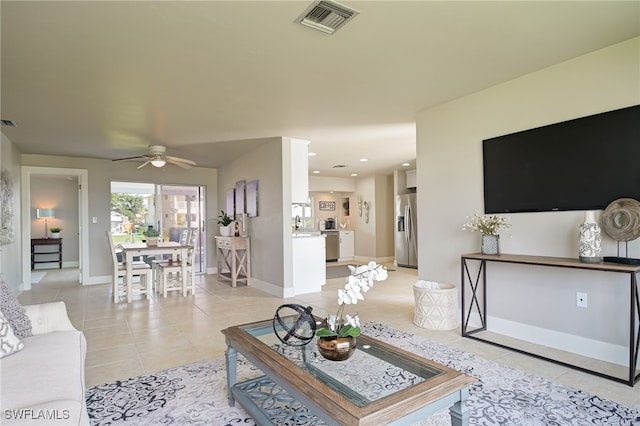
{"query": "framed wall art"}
pixel 231 202
pixel 240 197
pixel 252 198
pixel 327 205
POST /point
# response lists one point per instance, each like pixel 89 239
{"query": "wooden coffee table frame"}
pixel 449 388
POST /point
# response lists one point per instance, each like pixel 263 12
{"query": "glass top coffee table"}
pixel 379 385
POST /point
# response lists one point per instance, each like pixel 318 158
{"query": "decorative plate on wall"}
pixel 621 219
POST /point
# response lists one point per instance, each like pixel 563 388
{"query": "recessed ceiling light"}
pixel 316 171
pixel 354 174
pixel 364 160
pixel 312 154
pixel 406 164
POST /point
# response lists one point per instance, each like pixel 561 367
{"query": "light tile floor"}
pixel 125 340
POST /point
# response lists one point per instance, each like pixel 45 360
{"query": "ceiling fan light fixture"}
pixel 158 162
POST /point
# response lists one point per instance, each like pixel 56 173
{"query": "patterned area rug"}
pixel 196 394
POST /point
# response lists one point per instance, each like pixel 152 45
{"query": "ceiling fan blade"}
pixel 176 160
pixel 157 155
pixel 137 157
pixel 179 163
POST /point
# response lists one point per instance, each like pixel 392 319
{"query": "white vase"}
pixel 589 239
pixel 225 231
pixel 55 235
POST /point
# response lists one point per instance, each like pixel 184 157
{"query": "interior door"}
pixel 181 207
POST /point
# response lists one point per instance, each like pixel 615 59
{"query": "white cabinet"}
pixel 347 245
pixel 411 179
pixel 309 266
pixel 299 171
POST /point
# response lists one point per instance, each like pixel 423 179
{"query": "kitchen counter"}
pixel 306 234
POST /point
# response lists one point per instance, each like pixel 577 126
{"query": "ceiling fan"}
pixel 157 158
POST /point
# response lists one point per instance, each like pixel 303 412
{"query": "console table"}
pixel 234 259
pixel 46 242
pixel 478 287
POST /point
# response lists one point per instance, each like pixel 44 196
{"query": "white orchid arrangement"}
pixel 360 281
pixel 486 225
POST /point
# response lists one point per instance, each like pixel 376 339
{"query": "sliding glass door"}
pixel 181 207
pixel 169 208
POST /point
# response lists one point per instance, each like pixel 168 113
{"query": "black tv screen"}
pixel 581 164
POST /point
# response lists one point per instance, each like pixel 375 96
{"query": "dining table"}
pixel 172 248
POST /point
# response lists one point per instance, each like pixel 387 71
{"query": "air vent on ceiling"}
pixel 339 166
pixel 9 123
pixel 326 16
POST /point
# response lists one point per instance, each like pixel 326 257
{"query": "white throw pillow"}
pixel 9 343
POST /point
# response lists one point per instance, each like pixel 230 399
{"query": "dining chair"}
pixel 165 259
pixel 170 272
pixel 121 287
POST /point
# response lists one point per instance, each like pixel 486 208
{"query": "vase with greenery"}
pixel 336 339
pixel 489 227
pixel 152 235
pixel 55 232
pixel 225 221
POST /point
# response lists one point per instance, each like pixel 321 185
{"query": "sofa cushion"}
pixel 48 370
pixel 9 343
pixel 14 312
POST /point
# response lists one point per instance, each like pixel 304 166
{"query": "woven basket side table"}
pixel 435 308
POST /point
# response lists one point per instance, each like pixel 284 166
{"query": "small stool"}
pixel 436 305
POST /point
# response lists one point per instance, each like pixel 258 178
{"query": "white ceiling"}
pixel 210 79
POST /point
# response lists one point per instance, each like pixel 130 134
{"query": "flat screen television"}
pixel 581 164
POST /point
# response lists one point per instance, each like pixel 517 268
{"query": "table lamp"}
pixel 45 214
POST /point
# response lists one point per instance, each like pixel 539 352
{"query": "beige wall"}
pixel 384 215
pixel 374 240
pixel 11 251
pixel 450 188
pixel 269 264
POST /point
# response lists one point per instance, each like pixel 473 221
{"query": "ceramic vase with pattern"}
pixel 490 244
pixel 590 239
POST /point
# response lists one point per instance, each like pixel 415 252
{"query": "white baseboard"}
pixel 271 288
pixel 558 340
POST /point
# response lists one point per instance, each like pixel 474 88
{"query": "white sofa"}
pixel 44 382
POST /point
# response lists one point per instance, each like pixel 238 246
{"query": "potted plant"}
pixel 152 235
pixel 225 221
pixel 55 232
pixel 337 336
pixel 489 227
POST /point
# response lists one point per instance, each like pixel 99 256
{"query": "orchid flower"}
pixel 360 281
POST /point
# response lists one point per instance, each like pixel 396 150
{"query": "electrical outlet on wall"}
pixel 581 300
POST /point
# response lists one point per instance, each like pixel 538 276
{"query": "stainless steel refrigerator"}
pixel 406 232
